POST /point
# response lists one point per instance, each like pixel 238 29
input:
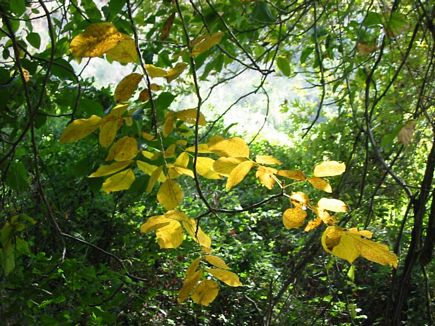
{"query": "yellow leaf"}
pixel 233 147
pixel 215 139
pixel 170 151
pixel 313 224
pixel 151 156
pixel 225 165
pixel 125 147
pixel 365 233
pixel 154 223
pixel 182 160
pixel 110 124
pixel 170 235
pixel 349 245
pixel 124 52
pixel 266 176
pixel 128 121
pixel 109 169
pixel 155 87
pixel 205 292
pixel 146 167
pixel 324 216
pixel 123 150
pixel 154 71
pixel 176 171
pixel 170 194
pixel 292 174
pixel 189 116
pixel 80 128
pixel 108 131
pixel 202 238
pixel 144 95
pixel 118 110
pixel 225 276
pixel 205 42
pixel 189 284
pixel 298 198
pixel 204 167
pixel 329 169
pixel 375 252
pixel 96 40
pixel 119 181
pixel 177 215
pixel 320 184
pixel 238 174
pixel 147 136
pixel 173 73
pixel 155 175
pixel 127 86
pixel 216 261
pixel 193 267
pixel 294 217
pixel 202 149
pixel 168 126
pixel 333 205
pixel 267 159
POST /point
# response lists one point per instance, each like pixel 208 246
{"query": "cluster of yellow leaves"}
pixel 349 244
pixel 204 291
pixel 188 116
pixel 346 244
pixel 169 75
pixel 169 229
pixel 130 83
pixel 295 217
pixel 108 126
pixel 104 38
pixel 233 162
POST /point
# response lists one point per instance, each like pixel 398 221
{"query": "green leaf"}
pixel 115 7
pixel 284 65
pixel 164 100
pixel 8 258
pixel 305 53
pixel 90 107
pixel 372 19
pixel 17 177
pixel 18 7
pixel 34 39
pixel 62 69
pixel 396 25
pixel 262 13
pixel 4 75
